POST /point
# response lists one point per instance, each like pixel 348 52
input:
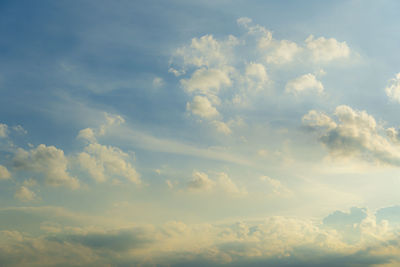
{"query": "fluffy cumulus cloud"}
pixel 304 83
pixel 201 106
pixel 104 162
pixel 206 81
pixel 324 50
pixel 353 238
pixel 282 52
pixel 393 88
pixel 355 133
pixel 47 161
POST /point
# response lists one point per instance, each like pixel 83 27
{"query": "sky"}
pixel 199 133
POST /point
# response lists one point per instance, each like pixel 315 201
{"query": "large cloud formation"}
pixel 352 238
pixel 222 72
pixel 355 133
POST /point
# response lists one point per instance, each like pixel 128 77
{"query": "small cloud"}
pixel 307 82
pixel 393 88
pixel 158 82
pixel 222 127
pixel 202 107
pixel 3 130
pixel 276 187
pixel 19 129
pixel 24 194
pixel 4 173
pixel 200 182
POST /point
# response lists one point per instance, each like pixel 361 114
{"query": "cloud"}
pixel 200 182
pixel 48 161
pixel 87 134
pixel 202 107
pixel 282 52
pixel 325 50
pixel 103 162
pixel 206 81
pixel 272 241
pixel 220 72
pixel 228 186
pixel 393 88
pixel 276 187
pixel 205 51
pixel 255 76
pixel 222 183
pixel 4 173
pixel 3 130
pixel 222 127
pixel 23 193
pixel 304 83
pixel 355 133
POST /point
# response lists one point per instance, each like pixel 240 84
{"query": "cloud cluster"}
pixel 355 133
pixel 342 239
pixel 50 166
pixel 226 71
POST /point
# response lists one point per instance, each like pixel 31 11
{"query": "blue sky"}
pixel 193 133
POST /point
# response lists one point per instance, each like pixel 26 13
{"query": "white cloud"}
pixel 103 162
pixel 4 173
pixel 48 161
pixel 206 81
pixel 356 133
pixel 221 183
pixel 283 52
pixel 327 49
pixel 256 76
pixel 87 134
pixel 393 88
pixel 200 182
pixel 202 107
pixel 318 119
pixel 228 186
pixel 3 130
pixel 222 127
pixel 23 193
pixel 264 36
pixel 304 83
pixel 205 51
